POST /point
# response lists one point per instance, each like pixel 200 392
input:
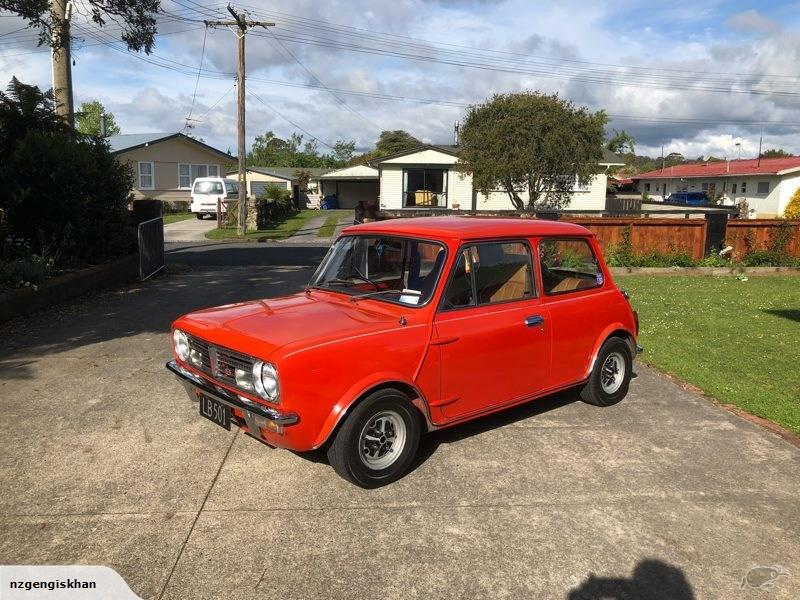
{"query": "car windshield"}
pixel 207 187
pixel 393 269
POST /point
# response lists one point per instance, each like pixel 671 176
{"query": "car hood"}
pixel 259 327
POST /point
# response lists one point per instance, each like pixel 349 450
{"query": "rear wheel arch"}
pixel 616 330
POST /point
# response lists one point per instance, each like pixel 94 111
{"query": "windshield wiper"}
pixel 416 293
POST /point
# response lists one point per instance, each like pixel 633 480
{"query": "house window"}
pixel 744 187
pixel 646 187
pixel 568 266
pixel 145 175
pixel 733 188
pixel 188 173
pixel 762 188
pixel 425 188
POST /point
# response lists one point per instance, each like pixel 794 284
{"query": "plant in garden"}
pixel 792 210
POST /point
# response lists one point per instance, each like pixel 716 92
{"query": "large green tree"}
pixel 87 119
pixel 134 17
pixel 531 142
pixel 269 150
pixel 389 142
pixel 621 142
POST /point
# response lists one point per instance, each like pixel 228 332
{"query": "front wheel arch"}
pixel 335 420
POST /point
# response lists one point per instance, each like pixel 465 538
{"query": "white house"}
pixel 352 185
pixel 425 178
pixel 766 185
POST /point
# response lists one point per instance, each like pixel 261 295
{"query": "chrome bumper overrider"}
pixel 254 413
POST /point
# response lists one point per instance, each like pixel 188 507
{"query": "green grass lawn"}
pixel 278 231
pixel 175 217
pixel 738 341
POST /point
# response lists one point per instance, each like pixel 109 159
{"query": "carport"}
pixel 352 185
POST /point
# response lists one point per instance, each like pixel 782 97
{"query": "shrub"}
pixel 274 205
pixel 68 194
pixel 792 210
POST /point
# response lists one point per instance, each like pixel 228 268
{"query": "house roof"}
pixel 609 158
pixel 131 141
pixel 732 168
pixel 287 173
pixel 469 227
pixel 354 172
pixel 446 149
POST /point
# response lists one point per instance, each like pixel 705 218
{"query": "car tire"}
pixel 611 375
pixel 199 215
pixel 363 451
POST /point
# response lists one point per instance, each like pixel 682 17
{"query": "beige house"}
pixel 166 164
pixel 426 178
pixel 352 185
pixel 260 178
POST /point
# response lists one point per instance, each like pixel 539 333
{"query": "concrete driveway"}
pixel 188 230
pixel 105 461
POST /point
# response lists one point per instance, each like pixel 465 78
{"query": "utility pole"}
pixel 241 24
pixel 61 11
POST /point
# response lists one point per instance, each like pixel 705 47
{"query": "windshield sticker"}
pixel 599 279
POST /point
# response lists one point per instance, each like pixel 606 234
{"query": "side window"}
pixel 490 273
pixel 459 290
pixel 568 266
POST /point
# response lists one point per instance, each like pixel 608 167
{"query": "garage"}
pixel 352 185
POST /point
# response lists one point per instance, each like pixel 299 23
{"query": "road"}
pixel 105 461
pixel 188 230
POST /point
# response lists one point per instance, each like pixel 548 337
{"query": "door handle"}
pixel 534 321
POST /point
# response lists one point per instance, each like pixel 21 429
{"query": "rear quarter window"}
pixel 568 265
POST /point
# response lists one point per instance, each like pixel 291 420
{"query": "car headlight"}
pixel 265 379
pixel 181 343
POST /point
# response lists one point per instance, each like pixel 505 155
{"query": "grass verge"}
pixel 175 217
pixel 277 231
pixel 735 340
pixel 329 227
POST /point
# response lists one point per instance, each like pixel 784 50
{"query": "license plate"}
pixel 216 412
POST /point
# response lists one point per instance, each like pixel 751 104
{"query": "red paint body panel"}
pixel 459 364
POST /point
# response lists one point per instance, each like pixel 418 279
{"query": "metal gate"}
pixel 151 247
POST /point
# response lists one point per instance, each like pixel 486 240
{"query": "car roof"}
pixel 469 227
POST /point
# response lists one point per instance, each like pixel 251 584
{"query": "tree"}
pixel 268 150
pixel 792 210
pixel 25 108
pixel 389 142
pixel 776 153
pixel 621 142
pixel 135 17
pixel 531 142
pixel 87 119
pixel 343 151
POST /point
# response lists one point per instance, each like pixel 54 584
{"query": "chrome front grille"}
pixel 218 362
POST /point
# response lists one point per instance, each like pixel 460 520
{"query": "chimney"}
pixel 455 133
pixel 102 124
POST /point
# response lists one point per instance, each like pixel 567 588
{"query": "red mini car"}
pixel 409 326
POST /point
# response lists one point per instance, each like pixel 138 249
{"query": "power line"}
pixel 288 120
pixel 319 81
pixel 199 71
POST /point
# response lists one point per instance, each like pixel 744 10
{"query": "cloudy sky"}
pixel 695 77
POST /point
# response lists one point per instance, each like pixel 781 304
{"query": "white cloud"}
pixel 547 47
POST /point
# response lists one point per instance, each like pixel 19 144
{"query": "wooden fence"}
pixel 757 234
pixel 650 235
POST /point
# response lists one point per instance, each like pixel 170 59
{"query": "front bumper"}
pixel 254 415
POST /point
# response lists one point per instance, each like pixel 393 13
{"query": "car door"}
pixel 576 295
pixel 491 330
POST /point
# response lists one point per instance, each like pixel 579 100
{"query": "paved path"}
pixel 188 230
pixel 103 460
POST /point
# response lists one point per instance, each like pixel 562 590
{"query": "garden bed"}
pixel 25 300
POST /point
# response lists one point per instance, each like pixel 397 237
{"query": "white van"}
pixel 207 190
